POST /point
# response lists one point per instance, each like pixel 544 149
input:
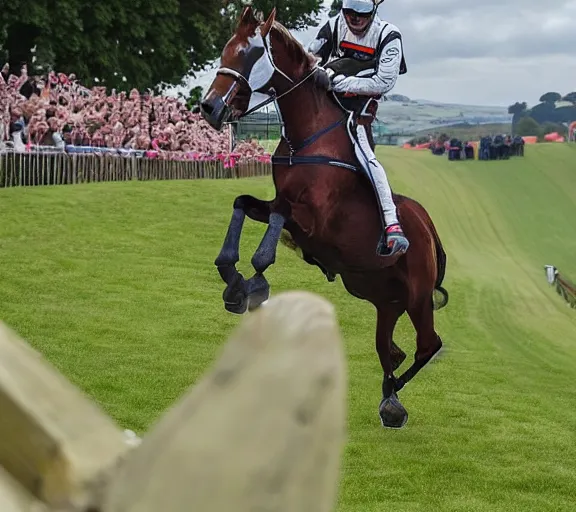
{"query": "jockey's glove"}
pixel 340 83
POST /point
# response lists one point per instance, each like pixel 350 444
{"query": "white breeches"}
pixel 376 173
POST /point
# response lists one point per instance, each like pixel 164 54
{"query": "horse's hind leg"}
pixel 428 343
pixel 392 412
pixel 236 294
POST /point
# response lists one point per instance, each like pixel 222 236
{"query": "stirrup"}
pixel 392 241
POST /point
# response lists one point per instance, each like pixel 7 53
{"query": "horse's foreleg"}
pixel 236 294
pixel 392 412
pixel 257 286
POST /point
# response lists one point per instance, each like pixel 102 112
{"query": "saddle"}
pixel 360 109
pixel 364 108
pixel 349 67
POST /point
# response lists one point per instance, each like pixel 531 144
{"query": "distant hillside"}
pixel 410 116
pixel 469 131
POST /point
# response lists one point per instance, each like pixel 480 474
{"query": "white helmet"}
pixel 359 6
pixel 359 14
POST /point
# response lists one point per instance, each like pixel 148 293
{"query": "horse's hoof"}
pixel 235 299
pixel 439 354
pixel 392 412
pixel 258 292
pixel 238 308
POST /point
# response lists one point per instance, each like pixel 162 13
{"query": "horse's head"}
pixel 247 66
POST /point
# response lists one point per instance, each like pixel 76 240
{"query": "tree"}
pixel 194 97
pixel 527 126
pixel 335 8
pixel 519 110
pixel 140 43
pixel 566 114
pixel 545 112
pixel 293 14
pixel 550 97
pixel 124 44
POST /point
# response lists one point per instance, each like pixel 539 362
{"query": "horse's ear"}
pixel 268 24
pixel 247 17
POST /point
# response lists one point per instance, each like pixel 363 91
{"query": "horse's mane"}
pixel 294 47
pixel 299 54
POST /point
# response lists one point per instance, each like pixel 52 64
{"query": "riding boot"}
pixel 392 240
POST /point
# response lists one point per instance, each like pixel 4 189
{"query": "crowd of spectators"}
pixel 497 147
pixel 57 112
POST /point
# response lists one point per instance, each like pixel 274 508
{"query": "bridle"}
pixel 240 79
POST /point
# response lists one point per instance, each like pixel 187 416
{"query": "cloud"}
pixel 489 52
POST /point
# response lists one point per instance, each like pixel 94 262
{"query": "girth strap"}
pixel 318 134
pixel 313 160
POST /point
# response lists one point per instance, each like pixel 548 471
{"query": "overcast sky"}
pixel 487 52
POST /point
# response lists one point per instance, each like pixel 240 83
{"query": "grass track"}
pixel 114 283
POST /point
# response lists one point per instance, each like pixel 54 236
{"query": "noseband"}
pixel 240 80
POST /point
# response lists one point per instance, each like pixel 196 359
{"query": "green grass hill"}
pixel 114 283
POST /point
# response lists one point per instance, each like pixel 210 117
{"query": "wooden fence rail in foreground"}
pixel 34 169
pixel 262 430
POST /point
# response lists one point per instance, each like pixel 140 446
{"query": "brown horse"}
pixel 323 201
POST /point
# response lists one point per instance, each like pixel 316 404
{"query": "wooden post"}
pixel 15 498
pixel 262 430
pixel 53 440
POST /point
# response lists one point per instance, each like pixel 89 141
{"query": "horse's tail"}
pixel 440 294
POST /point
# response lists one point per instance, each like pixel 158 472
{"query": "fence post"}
pixel 263 429
pixel 15 498
pixel 53 440
pixel 551 273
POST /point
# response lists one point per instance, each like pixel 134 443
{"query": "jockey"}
pixel 363 56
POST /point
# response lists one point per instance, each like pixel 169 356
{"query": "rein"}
pixel 272 97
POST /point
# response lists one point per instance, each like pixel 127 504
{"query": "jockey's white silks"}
pixel 316 45
pixel 376 173
pixel 364 66
pixel 382 45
